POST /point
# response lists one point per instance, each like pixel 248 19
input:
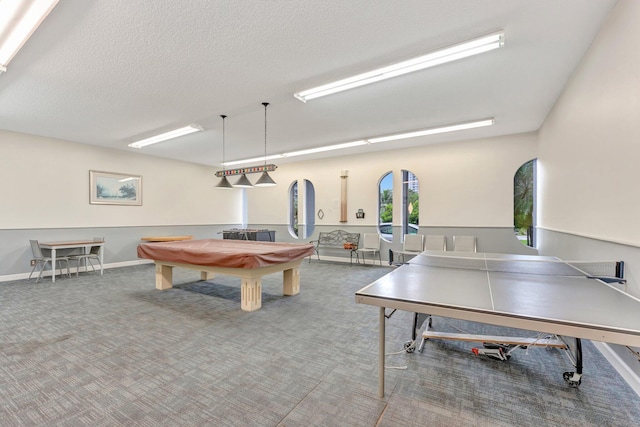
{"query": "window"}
pixel 302 210
pixel 410 205
pixel 293 209
pixel 385 206
pixel 524 203
pixel 309 209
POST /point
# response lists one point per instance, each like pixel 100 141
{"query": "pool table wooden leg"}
pixel 164 276
pixel 251 294
pixel 291 281
pixel 206 275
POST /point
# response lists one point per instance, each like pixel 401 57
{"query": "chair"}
pixel 413 245
pixel 93 254
pixel 435 243
pixel 42 260
pixel 371 245
pixel 464 243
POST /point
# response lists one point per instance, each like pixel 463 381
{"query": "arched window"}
pixel 524 203
pixel 410 205
pixel 385 206
pixel 293 209
pixel 302 210
pixel 309 208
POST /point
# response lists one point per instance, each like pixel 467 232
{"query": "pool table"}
pixel 249 260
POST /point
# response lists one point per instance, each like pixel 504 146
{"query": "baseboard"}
pixel 623 369
pixel 22 276
pixel 346 260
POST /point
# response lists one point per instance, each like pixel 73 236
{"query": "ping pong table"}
pixel 519 291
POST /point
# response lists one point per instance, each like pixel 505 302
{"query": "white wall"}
pixel 590 143
pixel 589 149
pixel 462 184
pixel 46 185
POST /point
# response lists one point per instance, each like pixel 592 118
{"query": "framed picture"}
pixel 108 188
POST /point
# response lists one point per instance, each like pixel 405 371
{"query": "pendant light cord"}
pixel 223 133
pixel 265 132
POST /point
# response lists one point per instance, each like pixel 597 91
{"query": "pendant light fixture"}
pixel 265 180
pixel 224 182
pixel 243 182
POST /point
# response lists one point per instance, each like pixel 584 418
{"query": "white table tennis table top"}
pixel 574 306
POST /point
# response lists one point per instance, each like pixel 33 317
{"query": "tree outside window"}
pixel 293 209
pixel 524 206
pixel 385 206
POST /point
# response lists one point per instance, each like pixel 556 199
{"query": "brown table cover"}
pixel 225 253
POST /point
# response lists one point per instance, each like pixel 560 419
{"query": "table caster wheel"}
pixel 569 377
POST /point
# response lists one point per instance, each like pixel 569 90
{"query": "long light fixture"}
pixel 224 182
pixel 254 159
pixel 19 19
pixel 433 131
pixel 394 137
pixel 165 136
pixel 325 148
pixel 442 56
pixel 265 180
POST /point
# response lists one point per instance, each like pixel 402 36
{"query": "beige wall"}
pixel 46 194
pixel 46 185
pixel 462 184
pixel 589 152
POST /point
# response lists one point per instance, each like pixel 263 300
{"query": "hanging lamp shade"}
pixel 243 182
pixel 224 183
pixel 265 180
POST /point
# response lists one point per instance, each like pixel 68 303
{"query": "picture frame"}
pixel 110 188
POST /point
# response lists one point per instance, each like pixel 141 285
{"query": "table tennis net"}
pixel 592 269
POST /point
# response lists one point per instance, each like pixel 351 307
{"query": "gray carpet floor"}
pixel 113 351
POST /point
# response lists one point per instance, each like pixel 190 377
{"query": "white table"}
pixel 571 306
pixel 75 244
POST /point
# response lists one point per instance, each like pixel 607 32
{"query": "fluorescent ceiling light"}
pixel 165 136
pixel 253 160
pixel 433 131
pixel 424 132
pixel 327 148
pixel 18 21
pixel 452 53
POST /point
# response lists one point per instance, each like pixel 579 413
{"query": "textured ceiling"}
pixel 109 72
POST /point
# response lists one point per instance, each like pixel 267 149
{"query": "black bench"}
pixel 337 239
